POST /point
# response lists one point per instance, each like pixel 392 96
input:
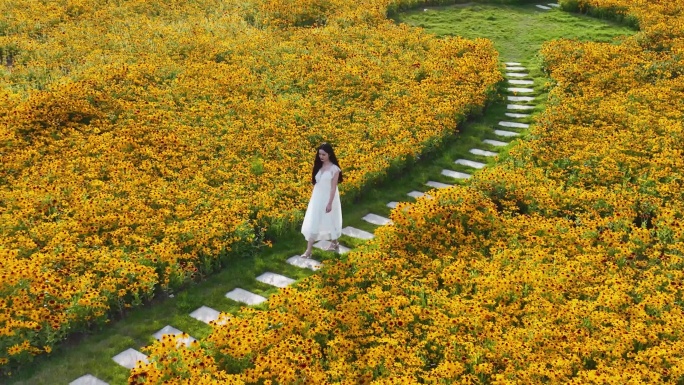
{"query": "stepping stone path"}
pixel 519 107
pixel 438 184
pixel 521 82
pixel 205 314
pixel 129 358
pixel 520 90
pixel 274 279
pixel 376 219
pixel 504 133
pixel 515 74
pixel 325 245
pixel 477 151
pixel 516 115
pixel 304 263
pixel 455 174
pixel 244 296
pixel 357 233
pixel 514 124
pixel 88 379
pixel 544 7
pixel 495 143
pixel 520 98
pixel 168 329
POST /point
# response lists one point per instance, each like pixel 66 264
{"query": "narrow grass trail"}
pixel 106 356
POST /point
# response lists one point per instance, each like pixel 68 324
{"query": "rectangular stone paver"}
pixel 519 107
pixel 392 204
pixel 434 184
pixel 512 63
pixel 455 174
pixel 416 194
pixel 520 90
pixel 323 245
pixel 304 263
pixel 495 142
pixel 205 314
pixel 505 133
pixel 244 296
pixel 357 233
pixel 129 358
pixel 521 82
pixel 469 163
pixel 516 115
pixel 553 5
pixel 514 124
pixel 376 219
pixel 88 379
pixel 477 151
pixel 516 69
pixel 274 279
pixel 516 75
pixel 543 7
pixel 168 329
pixel 520 98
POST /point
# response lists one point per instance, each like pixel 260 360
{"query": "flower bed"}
pixel 562 264
pixel 146 143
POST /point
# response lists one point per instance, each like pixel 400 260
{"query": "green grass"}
pixel 517 31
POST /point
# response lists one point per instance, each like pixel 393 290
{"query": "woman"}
pixel 323 218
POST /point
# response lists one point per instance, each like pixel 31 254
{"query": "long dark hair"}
pixel 318 163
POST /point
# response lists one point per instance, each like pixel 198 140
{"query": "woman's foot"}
pixel 334 246
pixel 306 255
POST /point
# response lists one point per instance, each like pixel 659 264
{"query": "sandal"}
pixel 306 256
pixel 334 246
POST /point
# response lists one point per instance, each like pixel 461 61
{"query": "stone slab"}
pixel 519 107
pixel 392 204
pixel 477 151
pixel 514 124
pixel 357 233
pixel 304 263
pixel 521 82
pixel 553 5
pixel 495 143
pixel 470 163
pixel 416 194
pixel 276 280
pixel 88 379
pixel 544 7
pixel 517 75
pixel 516 115
pixel 376 219
pixel 205 314
pixel 512 63
pixel 434 184
pixel 520 90
pixel 244 296
pixel 323 245
pixel 516 69
pixel 129 358
pixel 455 174
pixel 520 98
pixel 507 134
pixel 168 329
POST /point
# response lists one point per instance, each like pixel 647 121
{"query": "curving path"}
pixel 520 101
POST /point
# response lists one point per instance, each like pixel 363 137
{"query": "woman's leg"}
pixel 309 248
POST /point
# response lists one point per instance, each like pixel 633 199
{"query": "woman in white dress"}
pixel 323 218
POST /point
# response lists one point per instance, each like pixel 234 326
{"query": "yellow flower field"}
pixel 145 143
pixel 562 264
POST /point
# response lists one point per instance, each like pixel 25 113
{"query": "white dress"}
pixel 319 225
